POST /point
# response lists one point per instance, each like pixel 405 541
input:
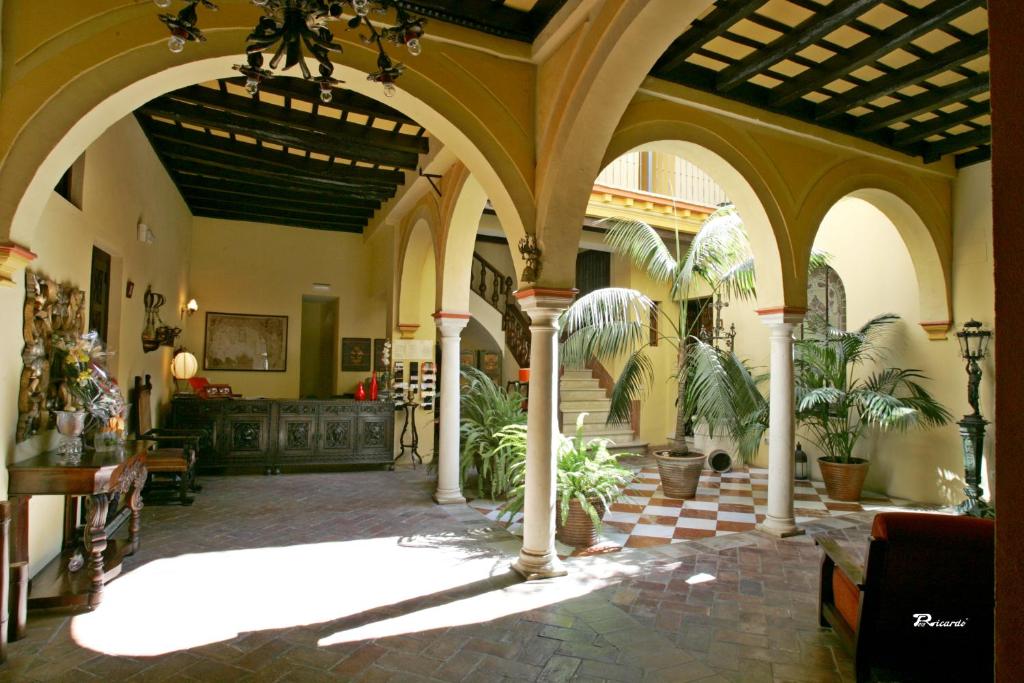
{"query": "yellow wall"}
pixel 124 183
pixel 242 267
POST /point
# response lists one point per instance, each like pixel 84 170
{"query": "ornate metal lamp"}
pixel 290 27
pixel 973 345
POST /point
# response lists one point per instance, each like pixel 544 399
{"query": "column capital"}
pixel 408 330
pixel 782 315
pixel 544 305
pixel 13 257
pixel 451 323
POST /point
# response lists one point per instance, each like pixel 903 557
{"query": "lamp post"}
pixel 973 345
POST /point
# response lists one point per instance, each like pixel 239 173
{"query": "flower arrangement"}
pixel 85 384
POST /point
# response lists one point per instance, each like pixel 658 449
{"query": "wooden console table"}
pixel 96 478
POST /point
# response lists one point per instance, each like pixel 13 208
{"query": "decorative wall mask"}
pixel 156 333
pixel 51 309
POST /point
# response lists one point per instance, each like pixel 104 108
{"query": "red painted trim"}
pixel 781 310
pixel 543 291
pixel 459 316
pixel 12 248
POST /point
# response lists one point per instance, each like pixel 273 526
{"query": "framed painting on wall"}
pixel 239 341
pixel 467 358
pixel 490 364
pixel 378 356
pixel 356 354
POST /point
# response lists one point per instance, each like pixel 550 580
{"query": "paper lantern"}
pixel 184 365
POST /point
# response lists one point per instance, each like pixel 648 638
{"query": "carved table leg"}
pixel 135 503
pixel 95 543
pixel 19 567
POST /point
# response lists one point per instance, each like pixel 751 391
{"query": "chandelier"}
pixel 290 28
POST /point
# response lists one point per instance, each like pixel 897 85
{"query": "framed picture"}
pixel 378 355
pixel 490 364
pixel 238 341
pixel 356 354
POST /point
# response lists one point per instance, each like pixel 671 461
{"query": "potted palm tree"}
pixel 837 405
pixel 614 323
pixel 588 480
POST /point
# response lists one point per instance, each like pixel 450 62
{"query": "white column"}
pixel 780 520
pixel 450 325
pixel 538 559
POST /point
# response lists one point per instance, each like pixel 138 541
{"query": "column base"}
pixel 533 567
pixel 449 498
pixel 780 528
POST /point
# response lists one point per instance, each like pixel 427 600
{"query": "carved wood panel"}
pixel 51 308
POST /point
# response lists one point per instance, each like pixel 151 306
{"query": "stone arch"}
pixel 464 203
pixel 584 89
pixel 417 253
pixel 63 99
pixel 923 221
pixel 779 282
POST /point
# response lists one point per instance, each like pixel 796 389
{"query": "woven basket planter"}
pixel 680 475
pixel 844 481
pixel 578 530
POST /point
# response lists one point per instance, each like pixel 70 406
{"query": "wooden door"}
pixel 593 271
pixel 99 293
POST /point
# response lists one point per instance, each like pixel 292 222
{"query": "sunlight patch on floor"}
pixel 187 601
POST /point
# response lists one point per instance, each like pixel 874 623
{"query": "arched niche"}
pixel 418 277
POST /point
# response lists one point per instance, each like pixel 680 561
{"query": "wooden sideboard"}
pixel 275 433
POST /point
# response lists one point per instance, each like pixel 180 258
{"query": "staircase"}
pixel 581 392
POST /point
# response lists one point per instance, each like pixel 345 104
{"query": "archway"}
pixel 417 288
pixel 46 134
pixel 922 222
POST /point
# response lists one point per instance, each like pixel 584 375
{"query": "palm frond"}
pixel 604 324
pixel 642 244
pixel 634 381
pixel 716 249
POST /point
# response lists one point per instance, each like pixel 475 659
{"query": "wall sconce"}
pixel 129 289
pixel 188 309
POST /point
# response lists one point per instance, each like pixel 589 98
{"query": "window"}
pixel 826 301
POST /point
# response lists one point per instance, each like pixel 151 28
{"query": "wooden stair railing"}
pixel 498 290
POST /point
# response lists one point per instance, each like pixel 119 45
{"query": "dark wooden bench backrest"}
pixel 143 405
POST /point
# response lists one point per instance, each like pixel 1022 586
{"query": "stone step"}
pixel 583 406
pixel 594 417
pixel 571 395
pixel 577 374
pixel 637 447
pixel 578 384
pixel 594 428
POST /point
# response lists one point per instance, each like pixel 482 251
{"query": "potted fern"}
pixel 485 408
pixel 588 480
pixel 836 405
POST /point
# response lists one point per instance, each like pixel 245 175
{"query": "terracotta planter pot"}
pixel 578 530
pixel 844 481
pixel 680 475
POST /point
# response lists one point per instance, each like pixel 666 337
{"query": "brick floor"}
pixel 358 576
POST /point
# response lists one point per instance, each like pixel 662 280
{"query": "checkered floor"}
pixel 724 504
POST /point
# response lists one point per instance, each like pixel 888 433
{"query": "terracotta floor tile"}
pixel 689 534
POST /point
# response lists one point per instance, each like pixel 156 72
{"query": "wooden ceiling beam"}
pixel 279 182
pixel 943 60
pixel 975 156
pixel 181 156
pixel 956 143
pixel 723 17
pixel 347 100
pixel 299 120
pixel 277 220
pixel 871 49
pixel 202 204
pixel 242 189
pixel 165 134
pixel 929 101
pixel 942 122
pixel 281 134
pixel 819 25
pixel 275 201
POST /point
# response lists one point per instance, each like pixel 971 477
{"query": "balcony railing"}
pixel 680 180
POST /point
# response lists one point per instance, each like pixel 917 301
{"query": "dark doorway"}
pixel 593 271
pixel 99 293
